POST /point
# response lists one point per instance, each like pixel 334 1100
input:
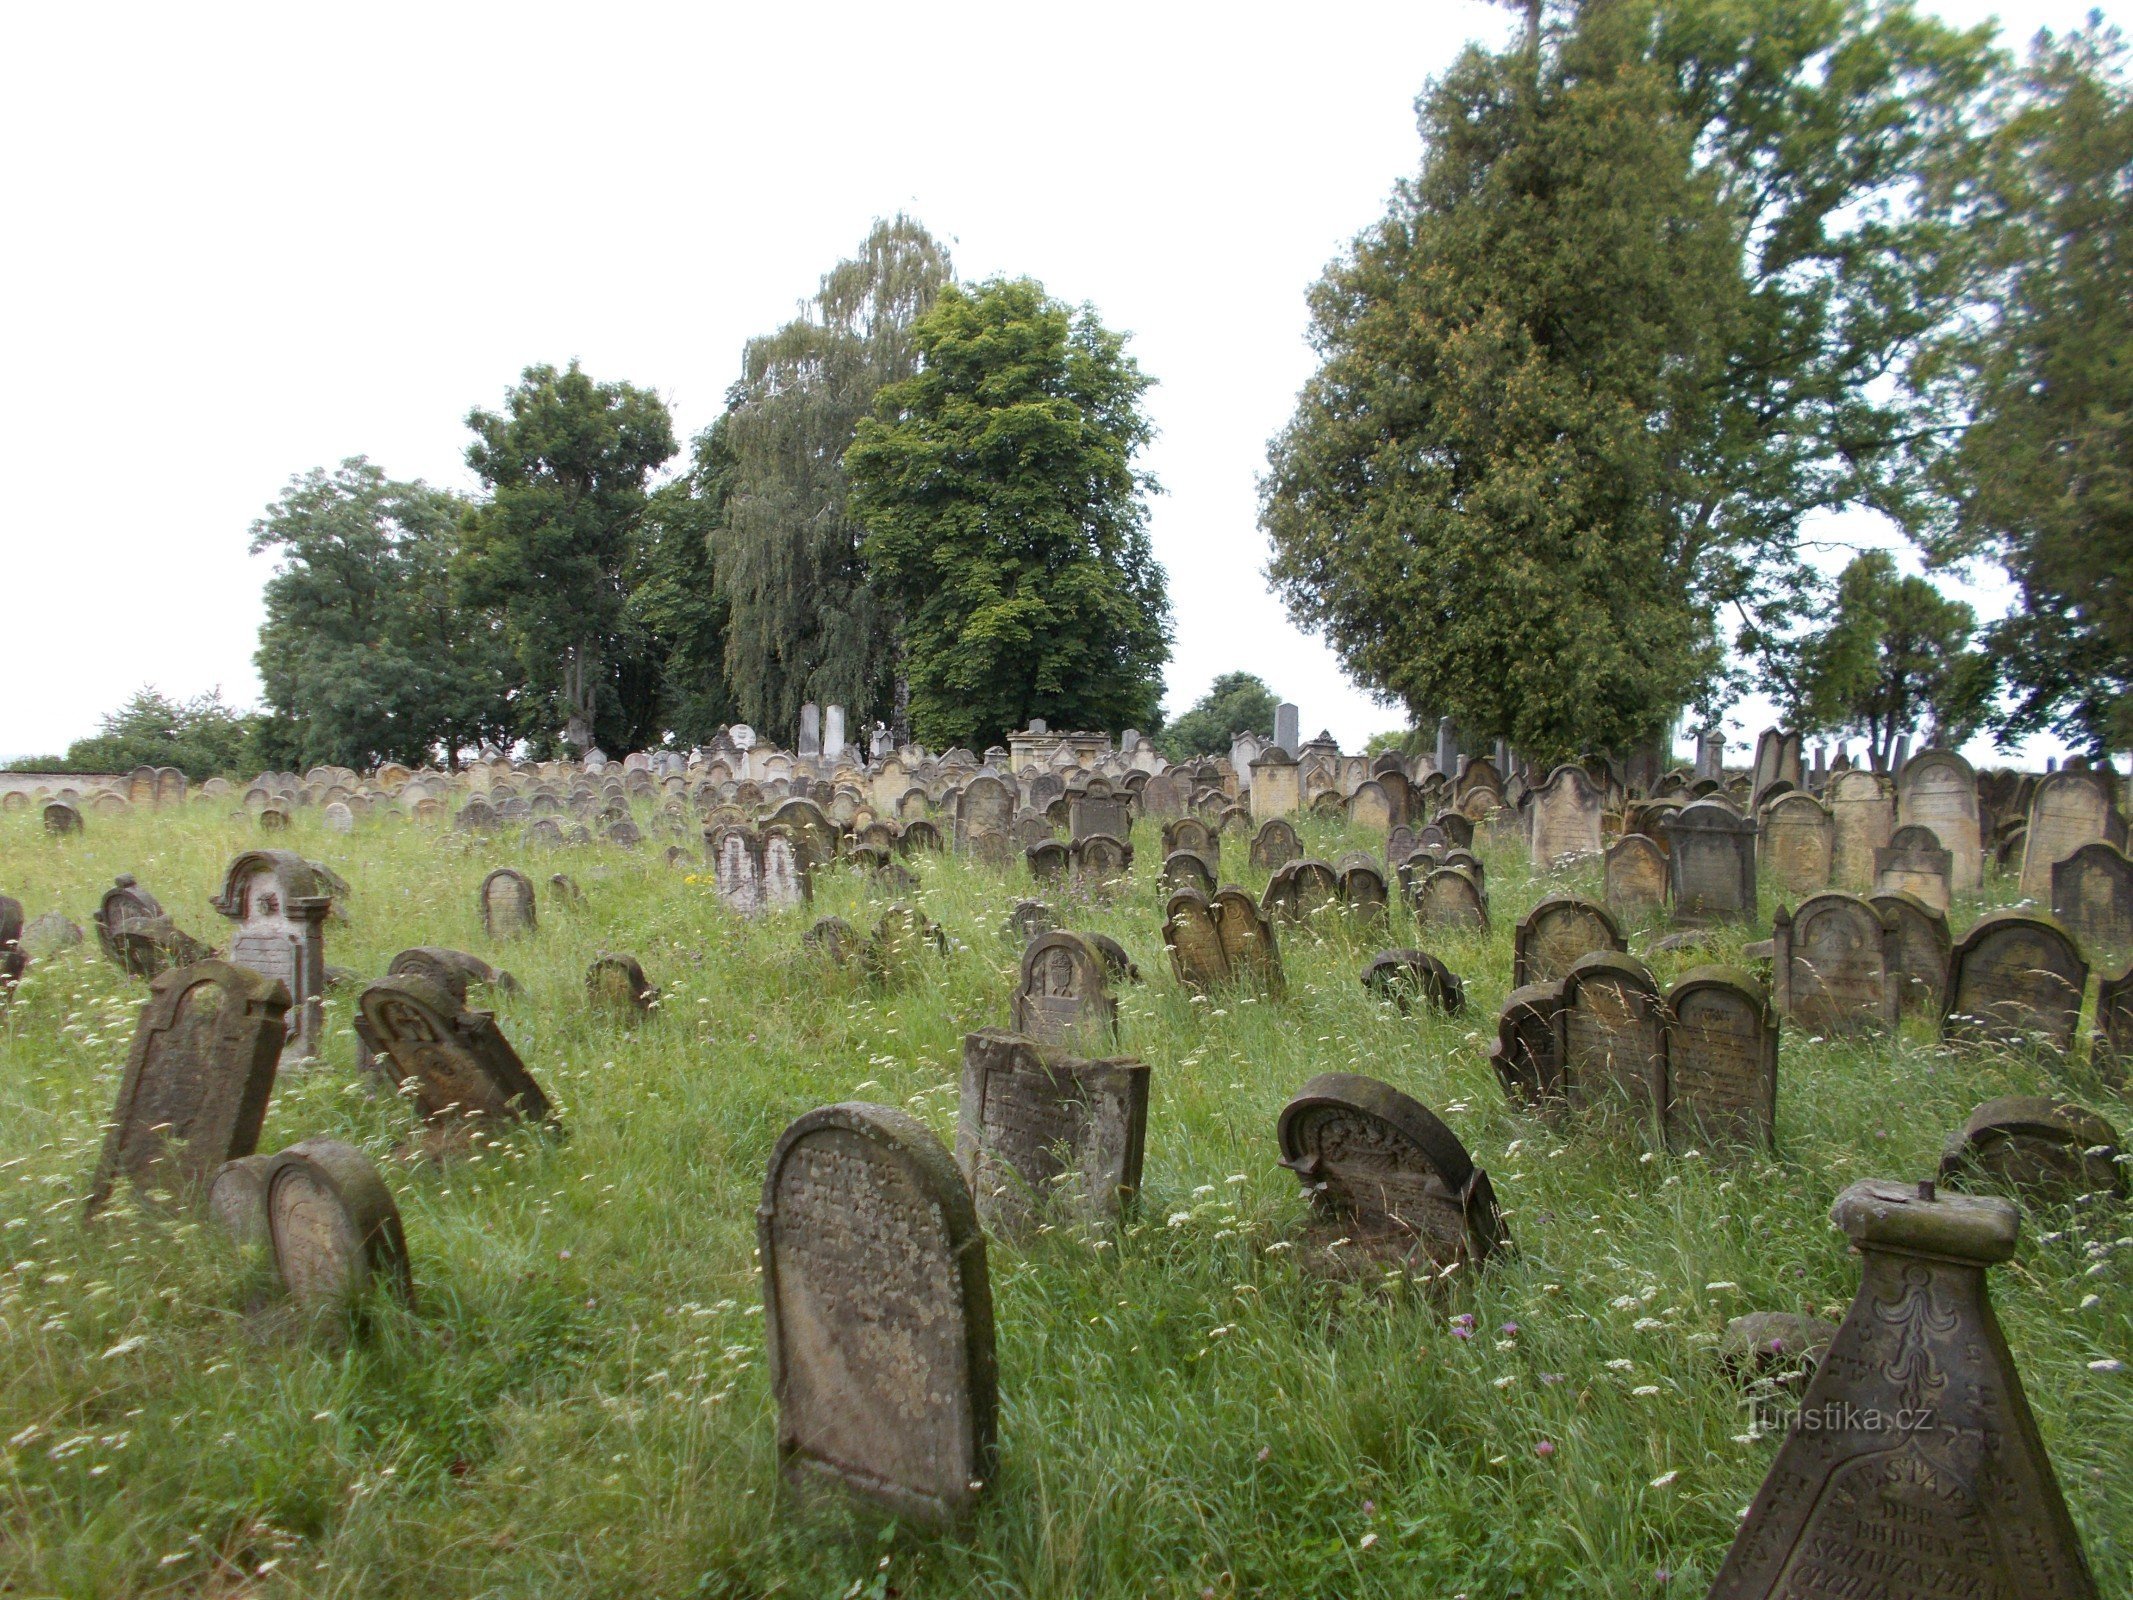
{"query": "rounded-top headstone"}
pixel 2046 1150
pixel 334 1228
pixel 1403 976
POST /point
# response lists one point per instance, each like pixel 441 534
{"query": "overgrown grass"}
pixel 577 1404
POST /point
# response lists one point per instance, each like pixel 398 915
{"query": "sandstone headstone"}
pixel 1277 785
pixel 1937 789
pixel 1062 997
pixel 2015 979
pixel 1711 863
pixel 1362 888
pixel 507 905
pixel 1528 1053
pixel 1450 900
pixel 1837 965
pixel 617 984
pixel 1612 1036
pixel 1275 845
pixel 1407 976
pixel 737 868
pixel 1370 807
pixel 1248 943
pixel 333 1227
pixel 61 819
pixel 2112 1051
pixel 1039 1129
pixel 2068 810
pixel 2092 897
pixel 1797 843
pixel 1566 816
pixel 1634 877
pixel 1186 869
pixel 1099 865
pixel 452 1061
pixel 1721 1061
pixel 2046 1151
pixel 279 904
pixel 1556 933
pixel 1862 817
pixel 1922 949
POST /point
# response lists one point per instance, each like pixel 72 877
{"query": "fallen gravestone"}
pixel 1406 976
pixel 1555 933
pixel 1836 965
pixel 2014 980
pixel 1039 1130
pixel 2044 1151
pixel 455 1063
pixel 1062 997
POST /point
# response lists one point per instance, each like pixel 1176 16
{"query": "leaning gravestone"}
pixel 1405 976
pixel 1798 839
pixel 507 905
pixel 1937 789
pixel 1062 997
pixel 2046 1151
pixel 1711 863
pixel 280 904
pixel 1915 862
pixel 1387 1176
pixel 616 984
pixel 454 1062
pixel 1039 1128
pixel 1566 817
pixel 1721 1061
pixel 878 1313
pixel 2017 980
pixel 197 1080
pixel 2068 810
pixel 1924 1474
pixel 333 1227
pixel 1635 876
pixel 1555 933
pixel 1836 963
pixel 1612 1035
pixel 1862 816
pixel 1922 949
pixel 2092 897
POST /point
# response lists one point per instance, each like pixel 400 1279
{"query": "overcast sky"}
pixel 243 242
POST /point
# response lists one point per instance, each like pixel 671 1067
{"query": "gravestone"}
pixel 1275 845
pixel 1194 940
pixel 1049 860
pixel 1837 965
pixel 453 1062
pixel 1862 815
pixel 2048 1152
pixel 1300 891
pixel 1362 888
pixel 1192 833
pixel 280 904
pixel 2068 810
pixel 616 984
pixel 1937 789
pixel 900 937
pixel 1612 1035
pixel 878 1313
pixel 50 932
pixel 1185 869
pixel 1062 997
pixel 1450 900
pixel 1923 1474
pixel 1721 1061
pixel 1248 944
pixel 1039 1130
pixel 2092 897
pixel 333 1227
pixel 1777 760
pixel 1556 933
pixel 1797 843
pixel 2112 1050
pixel 1922 949
pixel 61 820
pixel 1405 976
pixel 1026 920
pixel 1634 877
pixel 13 958
pixel 788 874
pixel 737 868
pixel 1370 807
pixel 1386 1175
pixel 1091 814
pixel 1566 817
pixel 1711 863
pixel 2015 980
pixel 507 905
pixel 197 1080
pixel 138 937
pixel 1528 1052
pixel 985 819
pixel 1915 862
pixel 456 971
pixel 1277 785
pixel 1099 865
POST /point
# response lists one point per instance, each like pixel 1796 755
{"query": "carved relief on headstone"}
pixel 1612 1035
pixel 197 1080
pixel 1362 888
pixel 280 904
pixel 1721 1061
pixel 507 904
pixel 1634 877
pixel 2015 979
pixel 1099 865
pixel 1915 862
pixel 1300 891
pixel 878 1313
pixel 1711 863
pixel 1275 845
pixel 2092 896
pixel 333 1227
pixel 1862 817
pixel 1837 965
pixel 2050 1152
pixel 1405 977
pixel 1566 816
pixel 1194 834
pixel 1937 789
pixel 1039 1128
pixel 1924 1474
pixel 2068 810
pixel 1062 997
pixel 1450 899
pixel 1797 842
pixel 1555 933
pixel 452 1062
pixel 1386 1175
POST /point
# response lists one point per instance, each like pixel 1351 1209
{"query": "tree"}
pixel 1005 519
pixel 1237 703
pixel 2040 477
pixel 676 603
pixel 804 621
pixel 202 737
pixel 1627 327
pixel 1895 652
pixel 566 463
pixel 363 654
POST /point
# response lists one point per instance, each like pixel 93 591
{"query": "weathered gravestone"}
pixel 2015 979
pixel 2092 897
pixel 1026 920
pixel 1611 1036
pixel 737 868
pixel 2112 1050
pixel 279 905
pixel 1634 877
pixel 507 905
pixel 1370 807
pixel 1937 789
pixel 1223 941
pixel 1193 833
pixel 1062 997
pixel 985 820
pixel 2068 810
pixel 1099 865
pixel 1922 948
pixel 137 936
pixel 197 1080
pixel 1711 863
pixel 1362 888
pixel 1450 900
pixel 61 819
pixel 1797 843
pixel 878 1313
pixel 1721 1061
pixel 1039 1128
pixel 13 958
pixel 1275 845
pixel 48 933
pixel 901 936
pixel 1406 976
pixel 333 1227
pixel 1091 814
pixel 1387 1176
pixel 2046 1151
pixel 1837 965
pixel 1566 816
pixel 788 870
pixel 616 984
pixel 1922 1474
pixel 1555 933
pixel 1277 785
pixel 1186 869
pixel 1528 1053
pixel 1862 815
pixel 452 1061
pixel 1915 862
pixel 1049 860
pixel 1300 891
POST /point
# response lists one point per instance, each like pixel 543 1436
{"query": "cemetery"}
pixel 1059 1170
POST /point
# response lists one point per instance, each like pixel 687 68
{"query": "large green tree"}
pixel 364 653
pixel 2040 477
pixel 1237 702
pixel 202 737
pixel 676 606
pixel 568 463
pixel 1632 321
pixel 1006 520
pixel 804 622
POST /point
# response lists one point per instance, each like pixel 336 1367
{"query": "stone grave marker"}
pixel 1062 997
pixel 2112 1050
pixel 1915 862
pixel 333 1228
pixel 452 1061
pixel 2067 810
pixel 1362 888
pixel 1922 949
pixel 1711 863
pixel 788 874
pixel 2015 979
pixel 1406 976
pixel 279 905
pixel 140 940
pixel 878 1313
pixel 1450 900
pixel 2092 897
pixel 13 958
pixel 1612 1035
pixel 1039 1131
pixel 1837 965
pixel 1937 789
pixel 1721 1061
pixel 1528 1052
pixel 1924 1474
pixel 1370 807
pixel 737 868
pixel 1026 920
pixel 1099 865
pixel 900 937
pixel 61 820
pixel 1385 1174
pixel 48 933
pixel 985 818
pixel 507 905
pixel 1277 785
pixel 1193 833
pixel 1275 845
pixel 197 1080
pixel 1566 816
pixel 1248 943
pixel 1187 869
pixel 1797 843
pixel 1049 860
pixel 2048 1152
pixel 1300 891
pixel 1634 877
pixel 1193 937
pixel 1555 933
pixel 1862 815
pixel 616 984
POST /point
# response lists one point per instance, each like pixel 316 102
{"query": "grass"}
pixel 577 1403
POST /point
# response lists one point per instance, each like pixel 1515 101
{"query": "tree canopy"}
pixel 203 738
pixel 1005 518
pixel 1237 702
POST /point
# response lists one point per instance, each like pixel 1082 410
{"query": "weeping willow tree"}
pixel 803 623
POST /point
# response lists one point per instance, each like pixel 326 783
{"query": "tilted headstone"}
pixel 1634 877
pixel 1937 789
pixel 2015 979
pixel 1385 1173
pixel 2068 810
pixel 878 1313
pixel 1566 816
pixel 333 1227
pixel 1062 997
pixel 452 1061
pixel 1862 811
pixel 279 904
pixel 1040 1129
pixel 1407 976
pixel 507 904
pixel 2092 897
pixel 1797 843
pixel 1611 1035
pixel 1837 965
pixel 1556 933
pixel 1923 1473
pixel 1721 1061
pixel 1248 943
pixel 1922 949
pixel 1711 863
pixel 617 984
pixel 2049 1152
pixel 197 1080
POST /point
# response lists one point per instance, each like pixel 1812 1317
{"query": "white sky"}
pixel 245 241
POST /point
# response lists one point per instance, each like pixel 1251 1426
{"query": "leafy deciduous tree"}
pixel 1238 702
